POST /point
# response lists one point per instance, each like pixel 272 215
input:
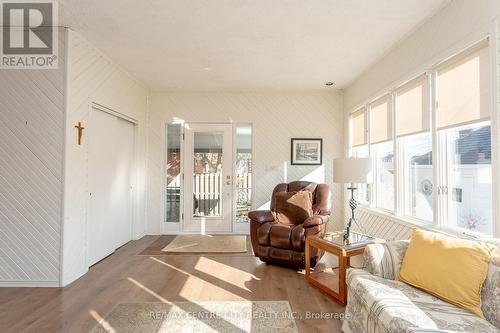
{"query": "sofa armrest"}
pixel 261 216
pixel 384 259
pixel 315 220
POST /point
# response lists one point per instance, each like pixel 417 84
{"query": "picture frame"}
pixel 306 151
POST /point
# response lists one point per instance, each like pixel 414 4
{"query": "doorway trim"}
pixel 175 228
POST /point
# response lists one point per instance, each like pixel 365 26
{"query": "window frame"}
pixel 439 172
pixel 236 223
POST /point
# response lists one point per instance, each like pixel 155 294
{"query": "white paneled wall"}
pixel 31 173
pixel 43 172
pixel 276 118
pixel 380 226
pixel 458 25
pixel 93 78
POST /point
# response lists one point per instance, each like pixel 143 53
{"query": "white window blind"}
pixel 463 89
pixel 358 128
pixel 412 110
pixel 380 120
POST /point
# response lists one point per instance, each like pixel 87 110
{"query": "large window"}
pixel 359 148
pixel 418 184
pixel 430 143
pixel 469 180
pixel 384 175
pixel 414 139
pixel 364 190
pixel 464 137
pixel 383 151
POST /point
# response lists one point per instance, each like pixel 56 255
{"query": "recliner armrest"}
pixel 315 220
pixel 261 216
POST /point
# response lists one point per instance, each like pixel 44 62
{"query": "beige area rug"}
pixel 207 244
pixel 220 316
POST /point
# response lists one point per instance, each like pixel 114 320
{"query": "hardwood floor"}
pixel 126 276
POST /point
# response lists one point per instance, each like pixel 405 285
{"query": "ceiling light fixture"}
pixel 329 83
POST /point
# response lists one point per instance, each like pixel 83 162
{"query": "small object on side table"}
pixel 333 281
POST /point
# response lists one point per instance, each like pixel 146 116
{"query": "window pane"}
pixel 384 155
pixel 470 179
pixel 363 193
pixel 173 190
pixel 244 181
pixel 418 181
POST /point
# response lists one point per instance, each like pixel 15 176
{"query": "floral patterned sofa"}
pixel 378 303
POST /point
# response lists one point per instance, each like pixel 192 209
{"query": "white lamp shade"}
pixel 352 170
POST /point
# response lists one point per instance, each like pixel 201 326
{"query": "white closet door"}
pixel 121 187
pixel 109 220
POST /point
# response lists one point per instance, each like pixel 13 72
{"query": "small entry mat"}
pixel 207 244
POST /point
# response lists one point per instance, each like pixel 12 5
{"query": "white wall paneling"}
pixel 276 118
pixel 380 226
pixel 94 79
pixel 43 171
pixel 31 173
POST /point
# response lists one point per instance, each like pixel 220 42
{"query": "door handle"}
pixel 228 180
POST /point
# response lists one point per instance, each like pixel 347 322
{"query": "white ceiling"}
pixel 245 44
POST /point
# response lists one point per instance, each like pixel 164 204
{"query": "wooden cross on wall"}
pixel 80 132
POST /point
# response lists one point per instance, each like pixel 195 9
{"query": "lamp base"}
pixel 353 204
pixel 347 232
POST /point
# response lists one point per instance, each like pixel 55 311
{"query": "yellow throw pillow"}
pixel 449 268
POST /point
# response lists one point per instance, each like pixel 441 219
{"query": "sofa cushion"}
pixel 293 207
pixel 452 269
pixel 376 304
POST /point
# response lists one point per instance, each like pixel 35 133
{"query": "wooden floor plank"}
pixel 128 277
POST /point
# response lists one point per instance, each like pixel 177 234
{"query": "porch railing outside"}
pixel 207 195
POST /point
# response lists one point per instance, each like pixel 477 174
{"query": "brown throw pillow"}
pixel 293 207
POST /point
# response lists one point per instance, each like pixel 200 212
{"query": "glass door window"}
pixel 207 174
pixel 208 178
pixel 244 172
pixel 173 193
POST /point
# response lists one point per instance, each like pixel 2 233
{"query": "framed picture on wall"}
pixel 307 151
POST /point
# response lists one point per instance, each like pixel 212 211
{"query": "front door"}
pixel 208 178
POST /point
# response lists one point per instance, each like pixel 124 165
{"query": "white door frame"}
pixel 92 105
pixel 224 224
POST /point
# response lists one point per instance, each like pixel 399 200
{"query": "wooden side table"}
pixel 333 281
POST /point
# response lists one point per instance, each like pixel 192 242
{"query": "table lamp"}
pixel 353 171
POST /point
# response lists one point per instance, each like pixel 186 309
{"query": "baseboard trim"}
pixel 66 280
pixel 29 284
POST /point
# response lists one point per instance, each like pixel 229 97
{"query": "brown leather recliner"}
pixel 284 244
